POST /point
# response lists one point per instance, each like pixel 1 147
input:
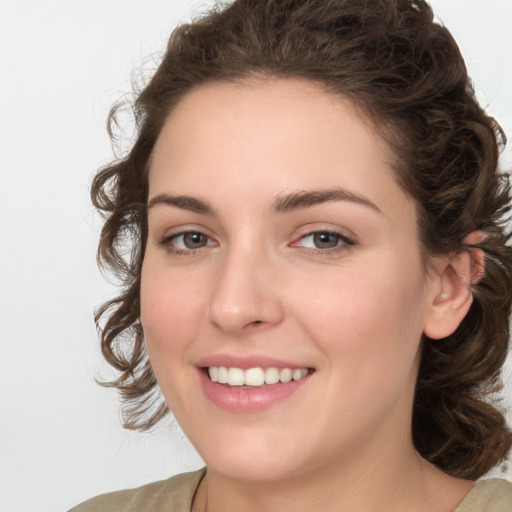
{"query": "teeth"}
pixel 222 375
pixel 214 374
pixel 254 377
pixel 285 375
pixel 271 376
pixel 236 377
pixel 298 374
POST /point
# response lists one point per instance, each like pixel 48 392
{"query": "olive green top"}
pixel 177 493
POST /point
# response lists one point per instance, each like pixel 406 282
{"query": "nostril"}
pixel 253 324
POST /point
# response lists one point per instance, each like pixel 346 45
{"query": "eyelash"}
pixel 343 242
pixel 167 241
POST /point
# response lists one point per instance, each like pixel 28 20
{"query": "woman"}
pixel 319 280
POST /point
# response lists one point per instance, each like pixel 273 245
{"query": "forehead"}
pixel 252 109
pixel 269 136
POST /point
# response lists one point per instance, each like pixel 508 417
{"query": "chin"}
pixel 256 469
pixel 265 459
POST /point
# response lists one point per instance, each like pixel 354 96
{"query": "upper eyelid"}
pixel 170 234
pixel 299 233
pixel 327 231
pixel 178 230
pixel 185 232
pixel 320 227
pixel 167 240
pixel 344 239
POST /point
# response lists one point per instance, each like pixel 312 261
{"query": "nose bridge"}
pixel 244 295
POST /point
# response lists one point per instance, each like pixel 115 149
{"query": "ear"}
pixel 451 291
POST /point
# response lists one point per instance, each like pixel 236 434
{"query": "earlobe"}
pixel 453 298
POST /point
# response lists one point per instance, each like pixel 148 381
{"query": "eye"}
pixel 187 241
pixel 323 240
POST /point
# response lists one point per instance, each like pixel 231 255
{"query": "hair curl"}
pixel 403 70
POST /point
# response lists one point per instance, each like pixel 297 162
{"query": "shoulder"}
pixel 493 495
pixel 174 494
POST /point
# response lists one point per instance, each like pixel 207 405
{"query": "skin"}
pixel 259 286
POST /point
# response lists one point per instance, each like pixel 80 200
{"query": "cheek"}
pixel 369 318
pixel 167 323
pixel 170 316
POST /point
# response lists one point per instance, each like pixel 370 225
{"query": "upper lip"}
pixel 256 361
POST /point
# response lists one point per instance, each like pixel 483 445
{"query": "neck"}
pixel 402 482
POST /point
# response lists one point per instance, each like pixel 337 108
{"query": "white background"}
pixel 62 64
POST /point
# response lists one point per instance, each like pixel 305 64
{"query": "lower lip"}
pixel 248 399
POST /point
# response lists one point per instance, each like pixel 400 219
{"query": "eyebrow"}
pixel 184 202
pixel 289 202
pixel 307 199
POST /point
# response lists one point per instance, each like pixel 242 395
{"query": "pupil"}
pixel 325 240
pixel 194 240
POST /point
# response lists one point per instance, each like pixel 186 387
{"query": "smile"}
pixel 249 387
pixel 255 377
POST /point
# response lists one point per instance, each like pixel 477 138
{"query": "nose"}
pixel 245 297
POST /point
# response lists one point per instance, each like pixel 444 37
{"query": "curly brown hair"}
pixel 406 73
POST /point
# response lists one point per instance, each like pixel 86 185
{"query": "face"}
pixel 283 258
